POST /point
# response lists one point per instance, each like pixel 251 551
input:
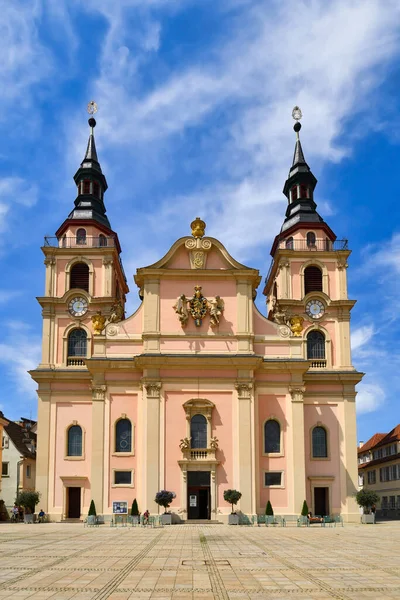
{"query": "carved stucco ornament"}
pixel 198 306
pixel 198 247
pixel 296 325
pixel 99 322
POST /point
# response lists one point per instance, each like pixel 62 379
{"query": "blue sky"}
pixel 195 100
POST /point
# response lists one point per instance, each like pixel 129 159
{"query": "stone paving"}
pixel 63 561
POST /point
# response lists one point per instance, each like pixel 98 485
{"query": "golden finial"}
pixel 198 226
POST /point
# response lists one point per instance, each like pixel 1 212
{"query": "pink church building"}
pixel 196 392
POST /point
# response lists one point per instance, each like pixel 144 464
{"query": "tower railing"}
pixel 97 241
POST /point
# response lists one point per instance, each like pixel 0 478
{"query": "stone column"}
pixel 97 459
pixel 296 429
pixel 244 441
pixel 151 430
pixel 43 445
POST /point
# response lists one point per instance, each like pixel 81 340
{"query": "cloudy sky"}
pixel 195 101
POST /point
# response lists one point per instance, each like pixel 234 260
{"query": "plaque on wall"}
pixel 120 508
pixel 193 501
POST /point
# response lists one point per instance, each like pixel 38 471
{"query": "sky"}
pixel 195 100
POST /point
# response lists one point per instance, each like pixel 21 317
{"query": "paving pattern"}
pixel 64 561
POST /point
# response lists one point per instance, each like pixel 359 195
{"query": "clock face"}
pixel 78 306
pixel 315 309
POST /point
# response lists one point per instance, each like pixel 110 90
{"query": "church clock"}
pixel 78 306
pixel 315 309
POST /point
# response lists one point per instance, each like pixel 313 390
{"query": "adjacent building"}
pixel 379 470
pixel 197 391
pixel 3 422
pixel 18 459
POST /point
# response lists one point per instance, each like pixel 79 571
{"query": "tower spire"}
pixel 300 184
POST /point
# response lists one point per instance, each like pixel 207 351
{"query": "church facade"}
pixel 197 392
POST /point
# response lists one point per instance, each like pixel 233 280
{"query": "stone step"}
pixel 71 520
pixel 202 522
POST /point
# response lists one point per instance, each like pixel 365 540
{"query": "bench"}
pixel 333 520
pixel 271 520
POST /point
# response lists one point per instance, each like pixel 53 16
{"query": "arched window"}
pixel 293 192
pixel 81 236
pixel 86 186
pixel 96 189
pixel 312 279
pixel 123 436
pixel 303 191
pixel 272 436
pixel 319 443
pixel 315 345
pixel 74 441
pixel 102 240
pixel 79 277
pixel 198 431
pixel 311 239
pixel 77 343
pixel 289 243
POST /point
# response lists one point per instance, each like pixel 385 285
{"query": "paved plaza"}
pixel 63 561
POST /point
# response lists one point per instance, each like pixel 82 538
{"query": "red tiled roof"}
pixel 392 436
pixel 373 441
pixel 378 461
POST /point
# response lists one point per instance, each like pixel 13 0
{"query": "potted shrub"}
pixel 92 514
pixel 28 501
pixel 233 497
pixel 269 513
pixel 366 499
pixel 304 510
pixel 164 498
pixel 135 512
pixel 4 516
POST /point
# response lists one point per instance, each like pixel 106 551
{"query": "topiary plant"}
pixel 92 510
pixel 4 516
pixel 134 509
pixel 28 500
pixel 164 498
pixel 269 511
pixel 232 496
pixel 366 498
pixel 304 510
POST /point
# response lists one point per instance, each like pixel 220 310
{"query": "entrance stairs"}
pixel 202 522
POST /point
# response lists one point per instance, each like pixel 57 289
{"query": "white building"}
pixel 18 460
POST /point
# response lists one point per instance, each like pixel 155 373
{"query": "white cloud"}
pixel 370 397
pixel 361 336
pixel 20 353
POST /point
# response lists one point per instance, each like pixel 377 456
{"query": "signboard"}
pixel 193 501
pixel 120 508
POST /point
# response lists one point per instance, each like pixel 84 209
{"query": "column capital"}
pixel 153 388
pixel 297 392
pixel 99 392
pixel 49 260
pixel 244 389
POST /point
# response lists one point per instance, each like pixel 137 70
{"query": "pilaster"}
pixel 296 427
pixel 50 280
pixel 244 316
pixel 97 473
pixel 43 445
pixel 348 453
pixel 48 339
pixel 151 441
pixel 151 316
pixel 246 467
pixel 108 273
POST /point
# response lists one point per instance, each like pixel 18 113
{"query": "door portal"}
pixel 199 497
pixel 321 501
pixel 74 502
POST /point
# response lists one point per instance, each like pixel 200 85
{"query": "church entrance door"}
pixel 74 502
pixel 321 502
pixel 199 496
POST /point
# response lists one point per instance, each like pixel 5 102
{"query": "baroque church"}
pixel 197 392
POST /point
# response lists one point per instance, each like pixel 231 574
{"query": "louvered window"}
pixel 79 277
pixel 294 193
pixel 303 191
pixel 315 345
pixel 96 189
pixel 312 279
pixel 86 186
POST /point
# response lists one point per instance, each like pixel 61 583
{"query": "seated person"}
pixel 41 516
pixel 146 516
pixel 314 519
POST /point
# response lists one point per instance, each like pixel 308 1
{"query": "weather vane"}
pixel 296 113
pixel 92 107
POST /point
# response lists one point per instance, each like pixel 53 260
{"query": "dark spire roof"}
pixel 300 209
pixel 90 206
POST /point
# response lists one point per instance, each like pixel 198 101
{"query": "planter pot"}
pixel 91 520
pixel 233 519
pixel 28 519
pixel 166 519
pixel 369 519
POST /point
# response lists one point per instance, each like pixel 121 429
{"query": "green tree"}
pixel 304 510
pixel 28 501
pixel 164 498
pixel 92 510
pixel 269 511
pixel 232 496
pixel 366 498
pixel 135 509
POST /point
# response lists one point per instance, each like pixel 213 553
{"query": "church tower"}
pixel 306 285
pixel 85 288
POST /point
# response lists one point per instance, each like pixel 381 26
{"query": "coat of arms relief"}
pixel 198 307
